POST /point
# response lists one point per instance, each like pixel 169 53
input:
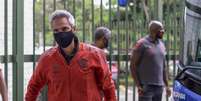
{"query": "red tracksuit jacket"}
pixel 85 78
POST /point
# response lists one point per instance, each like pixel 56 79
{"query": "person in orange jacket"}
pixel 72 71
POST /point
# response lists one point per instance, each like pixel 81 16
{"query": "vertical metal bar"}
pixel 146 2
pixel 110 27
pixel 101 12
pixel 168 41
pixel 74 10
pixel 156 9
pixel 18 50
pixel 160 10
pixel 34 33
pixel 92 16
pixel 141 25
pixel 54 4
pixel 141 28
pixel 135 35
pixel 6 40
pixel 54 8
pixel 83 20
pixel 110 15
pixel 118 52
pixel 64 4
pixel 44 27
pixel 126 25
pixel 168 55
pixel 44 91
pixel 174 33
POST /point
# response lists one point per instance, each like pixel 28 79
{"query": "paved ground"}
pixel 131 93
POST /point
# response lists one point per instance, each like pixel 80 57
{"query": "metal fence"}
pixel 127 19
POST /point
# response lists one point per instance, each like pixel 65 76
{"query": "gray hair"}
pixel 102 31
pixel 62 13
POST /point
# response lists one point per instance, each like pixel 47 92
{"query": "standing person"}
pixel 102 38
pixel 72 71
pixel 148 64
pixel 3 87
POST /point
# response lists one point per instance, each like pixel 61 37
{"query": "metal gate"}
pixel 26 34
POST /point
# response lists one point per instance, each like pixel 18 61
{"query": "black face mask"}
pixel 64 39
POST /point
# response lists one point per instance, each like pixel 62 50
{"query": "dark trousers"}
pixel 151 93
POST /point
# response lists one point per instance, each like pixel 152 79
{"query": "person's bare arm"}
pixel 3 88
pixel 133 67
pixel 135 61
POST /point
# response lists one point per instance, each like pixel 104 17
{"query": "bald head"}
pixel 156 29
pixel 155 26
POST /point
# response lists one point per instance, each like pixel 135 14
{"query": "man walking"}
pixel 72 71
pixel 148 64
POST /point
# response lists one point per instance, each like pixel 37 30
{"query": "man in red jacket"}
pixel 72 71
